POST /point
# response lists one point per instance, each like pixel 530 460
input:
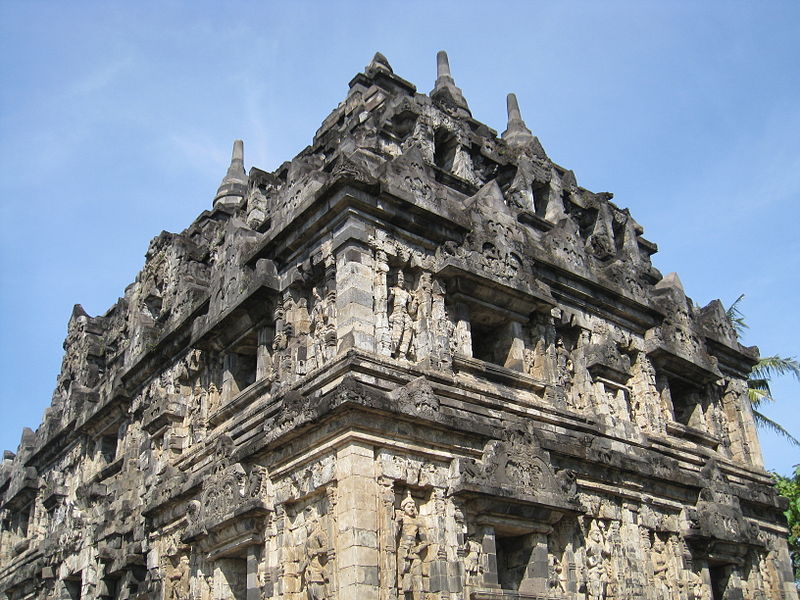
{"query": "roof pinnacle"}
pixel 234 184
pixel 377 64
pixel 443 67
pixel 445 87
pixel 516 133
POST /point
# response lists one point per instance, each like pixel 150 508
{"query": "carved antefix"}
pixel 416 397
pixel 717 526
pixel 228 492
pixel 514 467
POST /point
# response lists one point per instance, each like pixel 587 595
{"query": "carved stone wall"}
pixel 416 362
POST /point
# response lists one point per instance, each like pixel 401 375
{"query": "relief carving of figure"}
pixel 410 548
pixel 380 303
pixel 330 318
pixel 301 320
pixel 315 568
pixel 462 165
pixel 461 339
pixel 564 367
pixel 319 328
pixel 596 556
pixel 178 579
pixel 555 575
pixel 696 587
pixel 213 398
pixel 280 340
pixel 661 570
pixel 422 325
pixel 197 420
pixel 257 482
pixel 472 560
pixel 401 319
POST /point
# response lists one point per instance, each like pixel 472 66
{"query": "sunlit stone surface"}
pixel 416 362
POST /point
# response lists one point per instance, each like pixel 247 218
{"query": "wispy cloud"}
pixel 197 149
pixel 100 77
pixel 257 144
pixel 757 176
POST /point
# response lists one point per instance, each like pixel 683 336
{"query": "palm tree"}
pixel 762 372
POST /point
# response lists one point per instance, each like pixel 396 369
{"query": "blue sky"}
pixel 116 121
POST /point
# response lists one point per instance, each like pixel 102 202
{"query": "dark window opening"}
pixel 109 588
pixel 445 146
pixel 73 585
pixel 107 447
pixel 618 227
pixel 403 124
pixel 488 343
pixel 686 407
pixel 513 558
pixel 541 198
pixel 485 345
pixel 719 581
pixel 493 338
pixel 240 365
pixel 246 372
pixel 153 304
pixel 21 519
pixel 586 222
pixel 584 217
pixel 234 577
pixel 137 576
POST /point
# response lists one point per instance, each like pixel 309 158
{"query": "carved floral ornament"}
pixel 516 466
pixel 227 490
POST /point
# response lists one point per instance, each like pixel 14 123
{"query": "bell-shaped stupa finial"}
pixel 445 89
pixel 234 185
pixel 517 134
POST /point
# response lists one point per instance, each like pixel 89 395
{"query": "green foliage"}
pixel 764 370
pixel 758 390
pixel 736 317
pixel 789 488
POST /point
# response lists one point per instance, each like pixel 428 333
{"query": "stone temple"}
pixel 418 361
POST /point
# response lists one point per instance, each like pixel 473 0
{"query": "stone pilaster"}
pixel 253 591
pixel 263 354
pixel 357 523
pixel 355 327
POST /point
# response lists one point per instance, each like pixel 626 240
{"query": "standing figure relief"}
pixel 596 556
pixel 404 307
pixel 473 561
pixel 411 546
pixel 315 565
pixel 323 327
pixel 661 574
